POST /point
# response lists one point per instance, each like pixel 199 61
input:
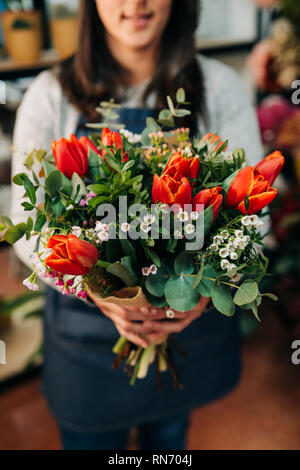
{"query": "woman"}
pixel 136 51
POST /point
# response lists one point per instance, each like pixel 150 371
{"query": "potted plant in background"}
pixel 64 29
pixel 22 31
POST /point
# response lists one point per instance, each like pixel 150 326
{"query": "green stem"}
pixel 118 347
pixel 103 264
pixel 211 279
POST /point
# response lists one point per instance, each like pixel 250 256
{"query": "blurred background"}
pixel 261 41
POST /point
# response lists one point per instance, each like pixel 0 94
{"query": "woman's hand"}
pixel 130 321
pixel 179 322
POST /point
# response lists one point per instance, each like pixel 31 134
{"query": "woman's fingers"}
pixel 136 339
pixel 181 320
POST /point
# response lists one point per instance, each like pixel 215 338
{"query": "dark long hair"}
pixel 92 74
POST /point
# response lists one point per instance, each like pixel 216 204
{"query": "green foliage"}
pixel 155 283
pixel 222 299
pixel 20 24
pixel 62 11
pixel 291 10
pixel 207 281
pixel 176 293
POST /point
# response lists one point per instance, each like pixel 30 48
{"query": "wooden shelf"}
pixel 10 69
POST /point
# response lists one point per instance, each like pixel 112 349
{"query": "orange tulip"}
pixel 179 167
pixel 70 156
pixel 169 191
pixel 209 197
pixel 71 255
pixel 112 139
pixel 250 182
pixel 271 166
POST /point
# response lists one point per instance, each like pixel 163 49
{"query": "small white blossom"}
pixel 90 233
pixel 246 221
pixel 224 263
pixel 195 215
pixel 145 227
pixel 231 267
pixel 239 233
pixel 177 234
pixel 146 271
pixel 183 216
pixel 30 284
pixel 227 157
pixel 254 219
pixel 214 247
pixel 224 234
pixel 76 231
pixel 153 269
pixel 189 229
pixel 149 219
pixel 125 227
pixel 101 227
pixel 218 239
pixel 230 247
pixel 233 255
pixel 224 253
pixel 103 236
pixel 237 243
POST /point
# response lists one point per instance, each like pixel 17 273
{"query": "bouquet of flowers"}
pixel 158 219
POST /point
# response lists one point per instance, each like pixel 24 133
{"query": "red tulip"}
pixel 71 255
pixel 209 197
pixel 70 156
pixel 179 167
pixel 113 139
pixel 250 182
pixel 271 166
pixel 169 191
pixel 88 144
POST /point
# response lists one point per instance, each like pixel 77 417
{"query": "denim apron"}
pixel 83 391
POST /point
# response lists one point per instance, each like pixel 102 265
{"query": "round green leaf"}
pixel 14 233
pixel 206 285
pixel 53 182
pixel 180 295
pixel 247 293
pixel 155 283
pixel 184 263
pixel 222 300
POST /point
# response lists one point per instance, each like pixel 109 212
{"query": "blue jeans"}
pixel 165 434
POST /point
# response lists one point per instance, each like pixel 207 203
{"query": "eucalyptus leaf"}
pixel 180 96
pixel 206 285
pixel 15 233
pixel 246 293
pixel 184 263
pixel 179 294
pixel 222 299
pixel 120 271
pixel 79 188
pixel 53 182
pixel 155 283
